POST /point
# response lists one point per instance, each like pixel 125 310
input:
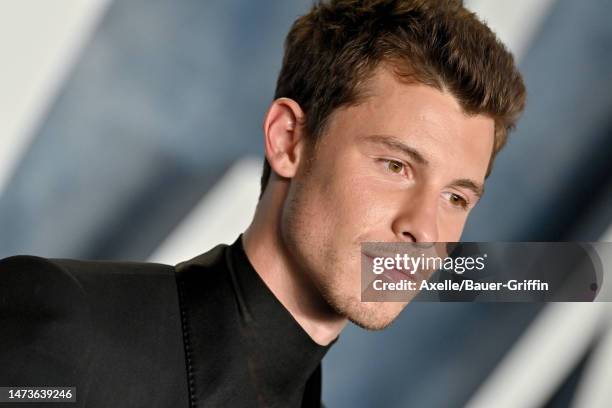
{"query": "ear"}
pixel 284 136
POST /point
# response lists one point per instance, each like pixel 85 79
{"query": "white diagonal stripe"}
pixel 224 212
pixel 543 357
pixel 514 21
pixel 39 44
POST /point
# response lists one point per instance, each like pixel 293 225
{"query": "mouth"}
pixel 397 275
pixel 393 274
pixel 388 248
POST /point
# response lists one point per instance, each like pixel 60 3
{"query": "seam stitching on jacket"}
pixel 186 343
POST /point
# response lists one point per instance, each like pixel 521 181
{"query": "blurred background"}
pixel 132 130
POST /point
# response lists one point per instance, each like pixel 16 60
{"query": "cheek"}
pixel 362 208
pixel 450 228
pixel 348 201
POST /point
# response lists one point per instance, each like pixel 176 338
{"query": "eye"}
pixel 458 201
pixel 394 166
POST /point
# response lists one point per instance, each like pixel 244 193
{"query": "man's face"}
pixel 405 165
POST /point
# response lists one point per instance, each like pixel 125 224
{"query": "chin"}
pixel 367 315
pixel 373 315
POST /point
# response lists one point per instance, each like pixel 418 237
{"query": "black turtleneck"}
pixel 243 348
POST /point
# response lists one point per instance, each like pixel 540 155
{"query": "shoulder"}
pixel 43 313
pixel 49 294
pixel 203 271
pixel 28 282
pixel 211 259
pixel 61 317
pixel 31 283
pixel 29 266
pixel 46 280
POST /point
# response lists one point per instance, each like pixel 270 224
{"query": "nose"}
pixel 417 220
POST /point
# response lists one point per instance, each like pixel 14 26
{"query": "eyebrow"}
pixel 476 188
pixel 395 144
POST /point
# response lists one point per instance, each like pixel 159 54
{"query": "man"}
pixel 386 120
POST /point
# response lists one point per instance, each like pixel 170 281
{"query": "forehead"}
pixel 405 103
pixel 422 116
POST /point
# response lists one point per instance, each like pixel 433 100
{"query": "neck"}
pixel 268 255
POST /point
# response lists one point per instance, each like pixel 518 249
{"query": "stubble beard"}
pixel 330 278
pixel 296 235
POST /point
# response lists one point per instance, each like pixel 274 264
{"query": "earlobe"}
pixel 283 136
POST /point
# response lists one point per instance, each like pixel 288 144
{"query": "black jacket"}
pixel 129 334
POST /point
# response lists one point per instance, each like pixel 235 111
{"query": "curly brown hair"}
pixel 332 51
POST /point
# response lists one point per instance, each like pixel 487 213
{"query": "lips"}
pixel 393 274
pixel 390 249
pixel 397 275
pixel 412 249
